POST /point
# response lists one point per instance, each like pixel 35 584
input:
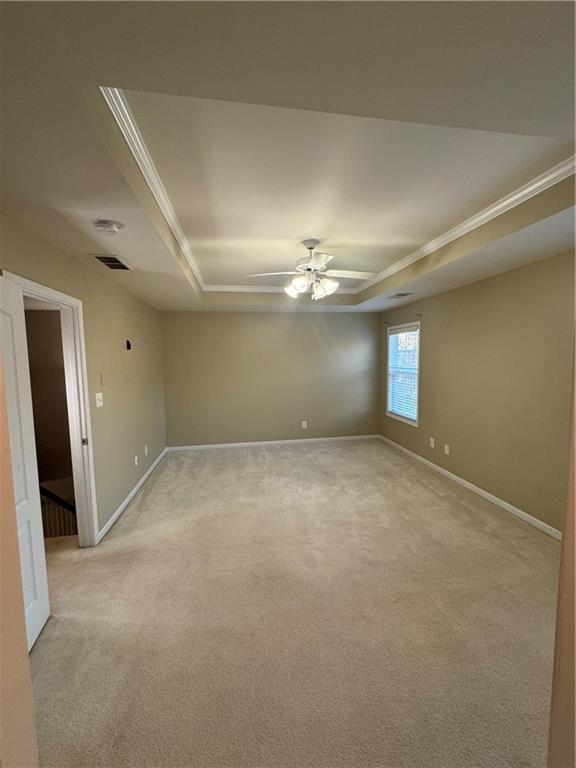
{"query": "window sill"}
pixel 403 419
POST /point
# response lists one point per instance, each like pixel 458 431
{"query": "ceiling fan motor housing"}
pixel 311 243
pixel 304 264
pixel 315 261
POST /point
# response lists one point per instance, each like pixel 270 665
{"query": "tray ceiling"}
pixel 248 182
pixel 374 126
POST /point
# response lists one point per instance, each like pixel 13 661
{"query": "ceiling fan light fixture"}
pixel 313 278
pixel 318 291
pixel 330 286
pixel 300 284
pixel 291 291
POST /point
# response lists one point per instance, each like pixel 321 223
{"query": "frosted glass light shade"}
pixel 318 291
pixel 329 285
pixel 300 284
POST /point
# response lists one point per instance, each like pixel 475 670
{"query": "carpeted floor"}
pixel 324 605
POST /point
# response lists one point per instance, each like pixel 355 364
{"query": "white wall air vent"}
pixel 400 295
pixel 112 262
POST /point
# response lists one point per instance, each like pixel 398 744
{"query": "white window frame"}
pixel 394 329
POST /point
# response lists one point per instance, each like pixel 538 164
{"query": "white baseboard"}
pixel 554 532
pixel 104 530
pixel 270 442
pixel 519 513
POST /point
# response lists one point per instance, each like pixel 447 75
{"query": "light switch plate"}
pixel 99 399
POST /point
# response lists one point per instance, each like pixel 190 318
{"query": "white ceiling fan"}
pixel 312 275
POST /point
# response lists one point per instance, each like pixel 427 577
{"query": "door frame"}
pixel 72 323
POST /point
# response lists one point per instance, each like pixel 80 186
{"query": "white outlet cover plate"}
pixel 99 399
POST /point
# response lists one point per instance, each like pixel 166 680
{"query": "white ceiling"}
pixel 374 125
pixel 57 178
pixel 248 183
pixel 497 66
pixel 549 237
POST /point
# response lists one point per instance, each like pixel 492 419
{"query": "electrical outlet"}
pixel 99 399
pixel 135 461
pixel 304 425
pixel 446 449
pixel 145 450
pixel 432 443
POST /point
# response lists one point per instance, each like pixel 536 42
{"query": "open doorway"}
pixel 51 424
pixel 61 470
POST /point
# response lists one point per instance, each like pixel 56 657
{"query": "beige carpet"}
pixel 329 605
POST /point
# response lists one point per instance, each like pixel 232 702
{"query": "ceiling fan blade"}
pixel 350 274
pixel 268 274
pixel 324 257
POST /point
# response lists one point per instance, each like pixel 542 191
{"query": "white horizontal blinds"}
pixel 403 363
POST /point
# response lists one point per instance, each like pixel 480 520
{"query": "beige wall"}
pixel 235 377
pixel 133 412
pixel 46 358
pixel 496 367
pixel 17 727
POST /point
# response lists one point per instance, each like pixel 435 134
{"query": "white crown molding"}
pixel 243 289
pixel 116 101
pixel 552 176
pixel 259 289
pixel 120 109
pixel 122 113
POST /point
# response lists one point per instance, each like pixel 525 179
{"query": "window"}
pixel 403 372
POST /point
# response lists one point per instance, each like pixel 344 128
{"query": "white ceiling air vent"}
pixel 112 262
pixel 107 226
pixel 400 295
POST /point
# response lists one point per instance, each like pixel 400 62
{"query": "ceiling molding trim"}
pixel 534 187
pixel 243 289
pixel 120 109
pixel 259 289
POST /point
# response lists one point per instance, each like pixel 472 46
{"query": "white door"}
pixel 24 465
